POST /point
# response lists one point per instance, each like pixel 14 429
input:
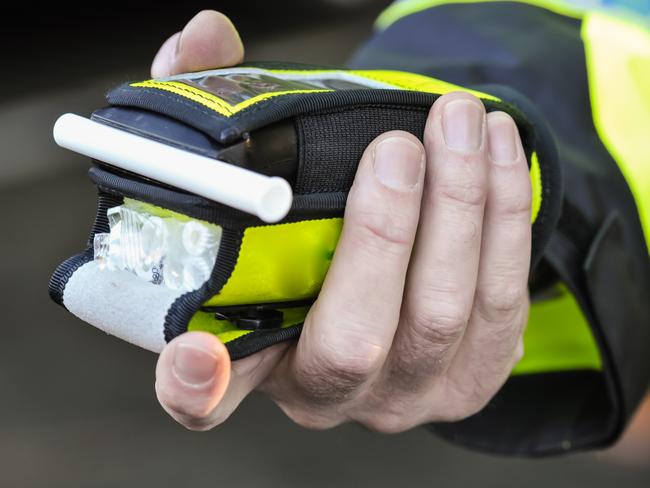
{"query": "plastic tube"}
pixel 268 197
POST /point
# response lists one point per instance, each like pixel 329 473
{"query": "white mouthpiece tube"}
pixel 267 197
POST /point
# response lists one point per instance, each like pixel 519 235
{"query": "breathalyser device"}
pixel 221 194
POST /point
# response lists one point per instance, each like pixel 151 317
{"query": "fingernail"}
pixel 462 125
pixel 398 163
pixel 502 139
pixel 194 365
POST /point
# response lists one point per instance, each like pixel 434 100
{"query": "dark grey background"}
pixel 77 407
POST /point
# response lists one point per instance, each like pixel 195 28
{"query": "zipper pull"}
pixel 253 319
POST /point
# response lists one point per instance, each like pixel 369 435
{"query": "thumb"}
pixel 196 383
pixel 209 40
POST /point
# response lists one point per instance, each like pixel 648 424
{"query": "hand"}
pixel 421 315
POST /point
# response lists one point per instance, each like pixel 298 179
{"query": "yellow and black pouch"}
pixel 306 124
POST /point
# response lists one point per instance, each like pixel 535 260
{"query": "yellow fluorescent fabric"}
pixel 416 82
pixel 405 8
pixel 618 66
pixel 226 331
pixel 289 262
pixel 536 187
pixel 558 338
pixel 281 262
pixel 159 211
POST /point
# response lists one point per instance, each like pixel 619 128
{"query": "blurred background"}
pixel 77 408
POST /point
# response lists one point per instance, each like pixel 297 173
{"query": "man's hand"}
pixel 421 315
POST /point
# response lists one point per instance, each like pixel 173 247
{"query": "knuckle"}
pixel 521 201
pixel 382 230
pixel 464 194
pixel 332 376
pixel 515 201
pixel 389 412
pixel 438 327
pixel 357 359
pixel 500 302
pixel 411 366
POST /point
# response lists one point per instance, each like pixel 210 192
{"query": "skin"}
pixel 421 315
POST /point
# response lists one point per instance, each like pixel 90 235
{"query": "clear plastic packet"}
pixel 171 251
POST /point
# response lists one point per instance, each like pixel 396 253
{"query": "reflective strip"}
pixel 618 67
pixel 279 263
pixel 558 338
pixel 399 10
pixel 394 79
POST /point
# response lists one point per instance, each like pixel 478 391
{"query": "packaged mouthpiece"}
pixel 165 251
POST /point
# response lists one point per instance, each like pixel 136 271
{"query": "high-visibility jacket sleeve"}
pixel 587 360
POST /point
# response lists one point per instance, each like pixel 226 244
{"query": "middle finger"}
pixel 443 272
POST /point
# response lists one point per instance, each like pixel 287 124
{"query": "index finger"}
pixel 349 330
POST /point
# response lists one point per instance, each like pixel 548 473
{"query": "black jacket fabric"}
pixel 598 251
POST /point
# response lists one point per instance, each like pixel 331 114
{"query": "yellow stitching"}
pixel 209 100
pixel 214 103
pixel 264 96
